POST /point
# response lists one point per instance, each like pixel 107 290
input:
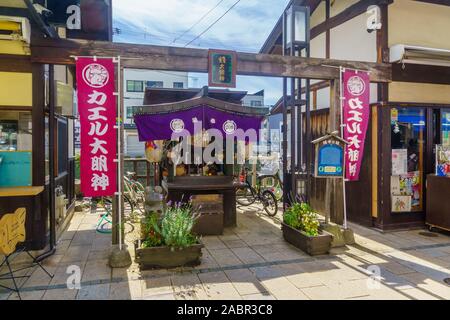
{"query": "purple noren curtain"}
pixel 161 126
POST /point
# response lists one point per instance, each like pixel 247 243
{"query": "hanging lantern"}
pixel 154 150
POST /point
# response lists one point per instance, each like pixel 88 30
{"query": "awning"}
pixel 161 126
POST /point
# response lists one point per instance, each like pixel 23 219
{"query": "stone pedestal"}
pixel 341 236
pixel 349 236
pixel 120 258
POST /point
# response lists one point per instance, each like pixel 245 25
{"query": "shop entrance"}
pixel 415 132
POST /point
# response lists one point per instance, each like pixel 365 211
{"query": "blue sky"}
pixel 244 28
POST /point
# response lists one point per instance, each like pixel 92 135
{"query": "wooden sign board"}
pixel 222 65
pixel 12 230
pixel 329 157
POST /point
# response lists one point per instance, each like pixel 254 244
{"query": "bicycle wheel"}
pixel 140 196
pixel 139 187
pixel 106 204
pixel 270 203
pixel 128 204
pixel 245 195
pixel 273 184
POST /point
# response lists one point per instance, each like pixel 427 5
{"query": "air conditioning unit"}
pixel 15 28
pixel 401 53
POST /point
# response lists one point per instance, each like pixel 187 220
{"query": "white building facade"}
pixel 135 82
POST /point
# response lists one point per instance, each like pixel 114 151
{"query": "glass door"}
pixel 408 143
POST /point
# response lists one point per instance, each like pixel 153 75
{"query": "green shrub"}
pixel 302 217
pixel 153 237
pixel 173 229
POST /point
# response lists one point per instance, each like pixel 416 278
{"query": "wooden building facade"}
pixel 37 120
pixel 409 115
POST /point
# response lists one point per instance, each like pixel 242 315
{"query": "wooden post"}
pixel 116 228
pixel 147 172
pixel 286 186
pixel 254 174
pixel 122 166
pixel 334 186
pixel 51 151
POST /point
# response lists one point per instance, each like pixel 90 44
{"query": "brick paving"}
pixel 251 261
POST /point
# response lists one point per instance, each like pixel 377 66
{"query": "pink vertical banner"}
pixel 97 110
pixel 356 112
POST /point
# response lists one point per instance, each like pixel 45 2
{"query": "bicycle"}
pixel 273 183
pixel 135 192
pixel 246 195
pixel 104 225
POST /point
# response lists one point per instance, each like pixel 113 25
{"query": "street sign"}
pixel 222 68
pixel 329 162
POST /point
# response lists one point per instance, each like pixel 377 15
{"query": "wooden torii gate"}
pixel 138 56
pixel 151 57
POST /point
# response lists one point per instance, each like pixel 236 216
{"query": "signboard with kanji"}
pixel 356 111
pixel 97 109
pixel 222 68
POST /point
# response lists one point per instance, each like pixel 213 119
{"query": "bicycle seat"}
pixel 129 173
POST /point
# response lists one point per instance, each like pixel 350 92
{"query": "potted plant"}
pixel 300 228
pixel 168 240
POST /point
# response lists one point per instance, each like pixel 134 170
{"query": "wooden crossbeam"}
pixel 61 51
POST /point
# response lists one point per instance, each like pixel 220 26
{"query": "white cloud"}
pixel 244 28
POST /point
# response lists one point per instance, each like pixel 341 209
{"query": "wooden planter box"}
pixel 165 257
pixel 313 246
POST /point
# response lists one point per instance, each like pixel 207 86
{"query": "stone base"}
pixel 349 236
pixel 338 236
pixel 120 258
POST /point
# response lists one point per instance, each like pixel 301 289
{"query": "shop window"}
pixel 408 131
pixel 135 86
pixel 445 125
pixel 134 147
pixel 8 135
pixel 155 84
pixel 62 151
pixel 15 148
pixel 129 112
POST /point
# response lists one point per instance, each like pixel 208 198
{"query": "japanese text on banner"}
pixel 356 111
pixel 97 110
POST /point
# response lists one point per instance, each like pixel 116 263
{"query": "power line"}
pixel 212 24
pixel 207 42
pixel 197 22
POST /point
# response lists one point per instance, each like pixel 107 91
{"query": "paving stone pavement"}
pixel 250 262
